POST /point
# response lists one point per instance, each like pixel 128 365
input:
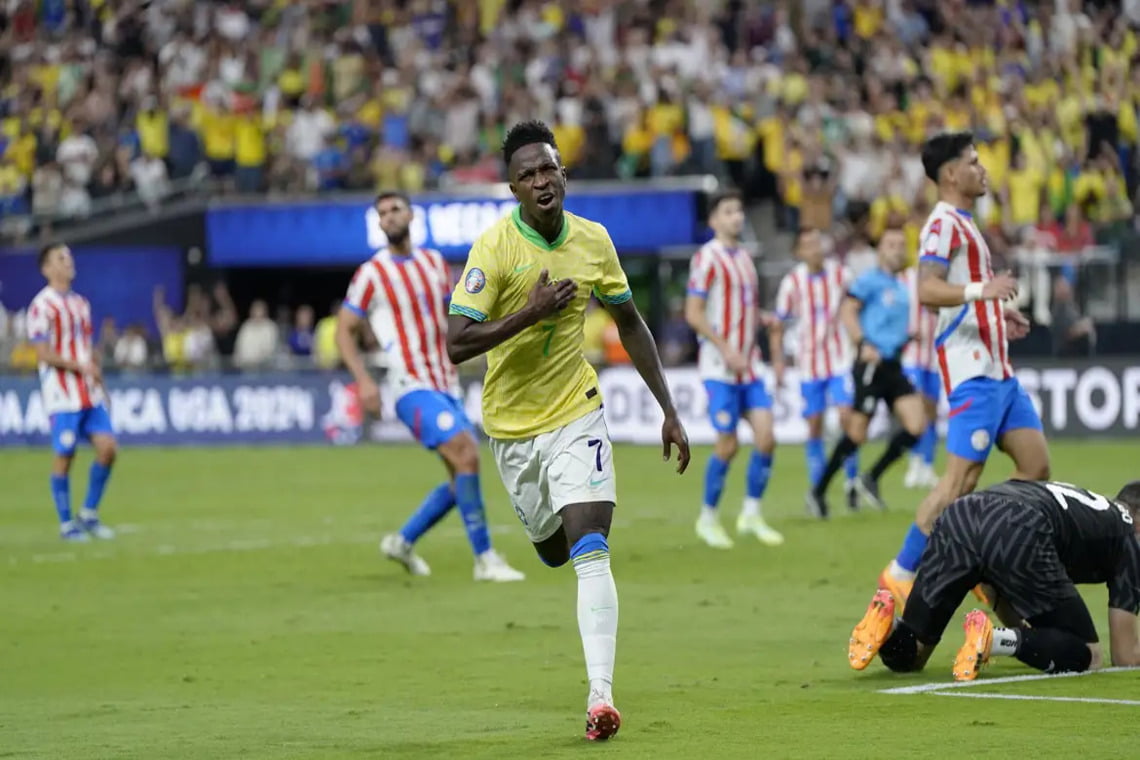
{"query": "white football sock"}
pixel 751 508
pixel 597 622
pixel 898 572
pixel 1005 642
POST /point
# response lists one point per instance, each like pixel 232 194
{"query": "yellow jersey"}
pixel 539 380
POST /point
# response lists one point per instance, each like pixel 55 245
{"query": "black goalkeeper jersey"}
pixel 1094 536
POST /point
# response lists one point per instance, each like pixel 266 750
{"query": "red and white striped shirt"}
pixel 812 300
pixel 404 300
pixel 970 340
pixel 919 353
pixel 63 321
pixel 726 278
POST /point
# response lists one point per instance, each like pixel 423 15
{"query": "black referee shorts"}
pixel 989 538
pixel 884 381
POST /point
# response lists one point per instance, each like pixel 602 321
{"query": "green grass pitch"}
pixel 244 613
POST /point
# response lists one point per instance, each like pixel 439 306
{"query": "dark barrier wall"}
pixel 1099 399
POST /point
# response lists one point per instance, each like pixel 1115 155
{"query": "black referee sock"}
pixel 1053 650
pixel 901 443
pixel 843 449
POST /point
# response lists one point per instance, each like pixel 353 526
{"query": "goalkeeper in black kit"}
pixel 1031 543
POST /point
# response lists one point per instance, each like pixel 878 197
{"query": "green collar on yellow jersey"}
pixel 534 236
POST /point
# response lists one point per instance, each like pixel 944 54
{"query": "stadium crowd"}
pixel 819 104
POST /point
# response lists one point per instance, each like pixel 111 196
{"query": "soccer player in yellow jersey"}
pixel 522 300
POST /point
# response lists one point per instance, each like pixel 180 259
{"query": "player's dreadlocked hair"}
pixel 1129 496
pixel 942 149
pixel 526 133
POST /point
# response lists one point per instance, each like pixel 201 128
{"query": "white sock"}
pixel 751 508
pixel 709 513
pixel 898 572
pixel 1005 642
pixel 597 622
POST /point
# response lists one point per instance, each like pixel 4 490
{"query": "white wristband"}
pixel 973 291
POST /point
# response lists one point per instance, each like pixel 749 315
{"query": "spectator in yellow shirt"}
pixel 153 129
pixel 1021 199
pixel 250 152
pixel 216 126
pixel 325 352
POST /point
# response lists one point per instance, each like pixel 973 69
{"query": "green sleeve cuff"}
pixel 614 299
pixel 467 311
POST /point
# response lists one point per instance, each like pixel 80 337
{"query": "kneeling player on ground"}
pixel 1030 542
pixel 876 314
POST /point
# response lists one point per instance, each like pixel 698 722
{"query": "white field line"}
pixel 1036 698
pixel 931 687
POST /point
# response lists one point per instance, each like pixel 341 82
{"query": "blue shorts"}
pixel 68 428
pixel 820 394
pixel 982 410
pixel 433 417
pixel 928 382
pixel 728 402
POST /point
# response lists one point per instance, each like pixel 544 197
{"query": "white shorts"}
pixel 571 465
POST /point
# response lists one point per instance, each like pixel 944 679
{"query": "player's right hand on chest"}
pixel 547 298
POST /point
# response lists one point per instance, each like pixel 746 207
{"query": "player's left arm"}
pixel 849 312
pixel 614 293
pixel 1123 604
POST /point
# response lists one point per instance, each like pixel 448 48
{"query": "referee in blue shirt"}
pixel 876 315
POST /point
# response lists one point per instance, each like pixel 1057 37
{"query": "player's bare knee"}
pixel 105 452
pixel 726 447
pixel 581 519
pixel 461 454
pixel 61 465
pixel 815 426
pixel 555 550
pixel 765 442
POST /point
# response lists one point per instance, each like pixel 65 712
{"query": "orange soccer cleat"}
pixel 872 631
pixel 899 588
pixel 975 652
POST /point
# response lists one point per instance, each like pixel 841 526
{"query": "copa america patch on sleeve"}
pixel 475 281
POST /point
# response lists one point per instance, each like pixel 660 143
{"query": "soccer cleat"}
pixel 900 588
pixel 602 722
pixel 756 525
pixel 868 490
pixel 72 531
pixel 96 529
pixel 712 532
pixel 851 494
pixel 490 566
pixel 816 505
pixel 975 652
pixel 914 470
pixel 395 548
pixel 872 631
pixel 928 478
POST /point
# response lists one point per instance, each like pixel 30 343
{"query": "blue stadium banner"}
pixel 342 232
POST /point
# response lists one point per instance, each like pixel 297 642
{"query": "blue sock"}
pixel 469 499
pixel 759 468
pixel 588 547
pixel 714 480
pixel 61 494
pixel 927 444
pixel 851 466
pixel 96 483
pixel 911 551
pixel 435 506
pixel 816 459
